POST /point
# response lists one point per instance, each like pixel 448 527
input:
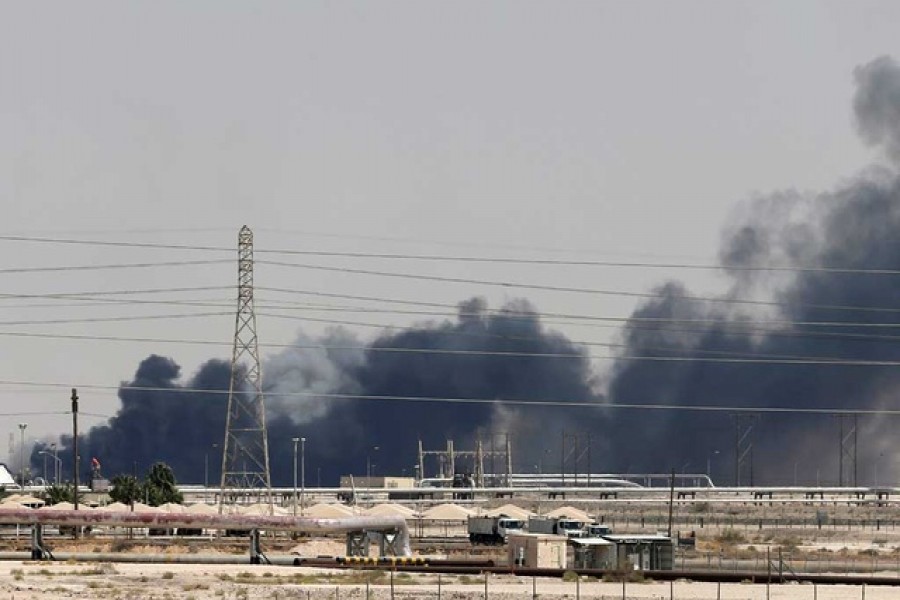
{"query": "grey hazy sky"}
pixel 601 129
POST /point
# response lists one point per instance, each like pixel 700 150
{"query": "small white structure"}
pixel 595 553
pixel 6 478
pixel 537 550
pixel 643 552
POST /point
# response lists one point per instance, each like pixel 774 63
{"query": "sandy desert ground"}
pixel 44 580
pixel 869 541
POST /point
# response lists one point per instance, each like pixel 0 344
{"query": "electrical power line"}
pixel 721 357
pixel 733 328
pixel 167 264
pixel 452 309
pixel 570 289
pixel 32 414
pixel 127 292
pixel 115 319
pixel 542 402
pixel 459 258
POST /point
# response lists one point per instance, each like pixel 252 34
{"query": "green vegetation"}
pixel 125 489
pixel 58 493
pixel 158 488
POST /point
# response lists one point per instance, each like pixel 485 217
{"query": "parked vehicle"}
pixel 557 526
pixel 595 530
pixel 493 530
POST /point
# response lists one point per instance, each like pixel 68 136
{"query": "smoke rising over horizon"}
pixel 181 427
pixel 850 228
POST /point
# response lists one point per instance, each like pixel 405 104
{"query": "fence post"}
pixel 486 585
pixel 392 584
pixel 671 590
pixel 439 588
pixel 718 590
pixel 533 587
pixel 624 597
pixel 367 585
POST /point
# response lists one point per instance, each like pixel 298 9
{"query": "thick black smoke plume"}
pixel 180 428
pixel 852 228
pixel 832 236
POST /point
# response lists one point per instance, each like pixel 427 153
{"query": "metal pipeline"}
pixel 154 520
pixel 109 557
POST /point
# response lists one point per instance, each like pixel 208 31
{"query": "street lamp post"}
pixel 709 463
pixel 214 448
pixel 22 427
pixel 302 473
pixel 877 460
pixel 56 465
pixel 369 471
pixel 57 468
pixel 369 465
pixel 206 465
pixel 296 441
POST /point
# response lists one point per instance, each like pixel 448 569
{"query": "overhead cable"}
pixel 540 402
pixel 568 289
pixel 168 264
pixel 458 258
pixel 722 357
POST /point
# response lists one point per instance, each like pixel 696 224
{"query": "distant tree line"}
pixel 157 488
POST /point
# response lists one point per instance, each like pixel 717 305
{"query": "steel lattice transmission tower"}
pixel 245 453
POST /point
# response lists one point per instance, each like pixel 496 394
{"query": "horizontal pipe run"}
pixel 155 520
pixel 109 557
pixel 437 566
pixel 460 568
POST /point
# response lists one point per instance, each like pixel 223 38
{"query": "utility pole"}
pixel 295 440
pixel 22 427
pixel 57 470
pixel 75 454
pixel 509 466
pixel 302 473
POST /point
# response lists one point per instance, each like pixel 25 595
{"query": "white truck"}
pixel 596 530
pixel 556 526
pixel 493 530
